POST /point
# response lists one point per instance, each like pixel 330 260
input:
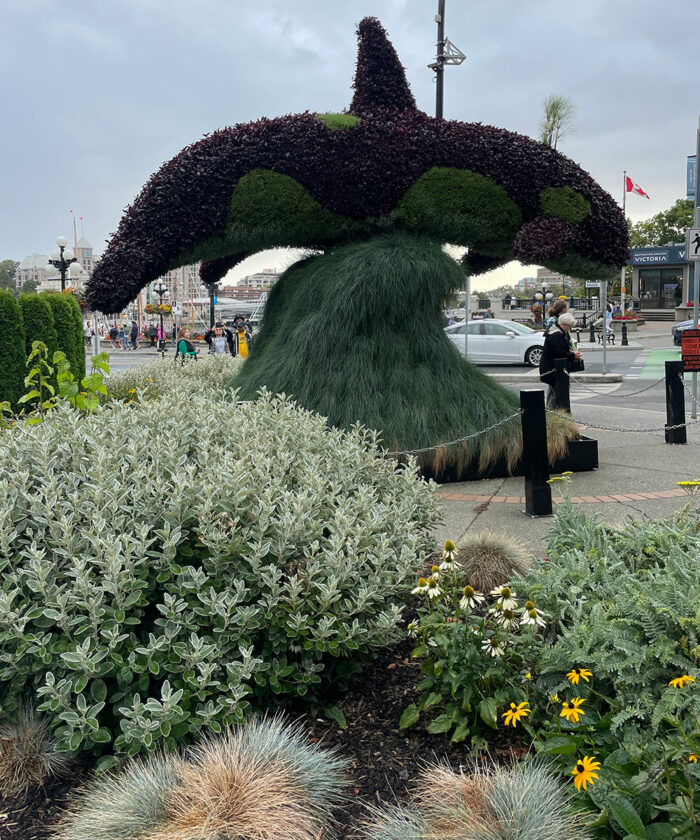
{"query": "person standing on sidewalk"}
pixel 133 335
pixel 558 344
pixel 555 310
pixel 241 340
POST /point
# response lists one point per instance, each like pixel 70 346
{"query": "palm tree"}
pixel 557 119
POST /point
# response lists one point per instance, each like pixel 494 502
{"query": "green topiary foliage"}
pixel 77 313
pixel 37 317
pixel 339 122
pixel 289 215
pixel 462 207
pixel 64 323
pixel 357 335
pixel 13 359
pixel 564 203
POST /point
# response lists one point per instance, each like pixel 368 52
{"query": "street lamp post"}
pixel 213 289
pixel 62 260
pixel 162 291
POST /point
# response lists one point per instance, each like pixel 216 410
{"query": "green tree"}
pixel 667 226
pixel 29 287
pixel 8 269
pixel 70 339
pixel 37 317
pixel 13 359
pixel 558 114
pixel 77 315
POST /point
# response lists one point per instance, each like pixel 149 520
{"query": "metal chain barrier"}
pixel 687 390
pixel 458 440
pixel 615 396
pixel 589 425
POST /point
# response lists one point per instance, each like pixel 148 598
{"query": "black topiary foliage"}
pixel 211 271
pixel 380 79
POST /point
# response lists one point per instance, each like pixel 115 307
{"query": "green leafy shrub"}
pixel 28 757
pixel 476 656
pixel 263 779
pixel 71 339
pixel 154 379
pixel 339 122
pixel 488 559
pixel 13 358
pixel 169 562
pixel 525 802
pixel 79 337
pixel 564 203
pixel 37 318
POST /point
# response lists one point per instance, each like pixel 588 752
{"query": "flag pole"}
pixel 622 270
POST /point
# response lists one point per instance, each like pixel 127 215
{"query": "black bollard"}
pixel 592 336
pixel 675 403
pixel 561 385
pixel 538 494
pixel 584 320
pixel 625 343
pixel 578 335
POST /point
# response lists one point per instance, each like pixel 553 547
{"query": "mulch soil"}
pixel 384 763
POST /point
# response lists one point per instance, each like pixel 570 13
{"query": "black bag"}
pixel 574 365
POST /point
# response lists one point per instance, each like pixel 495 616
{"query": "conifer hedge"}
pixel 37 317
pixel 13 359
pixel 77 313
pixel 70 337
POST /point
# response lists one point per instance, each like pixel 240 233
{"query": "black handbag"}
pixel 575 365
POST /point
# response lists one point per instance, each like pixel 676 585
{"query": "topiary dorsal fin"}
pixel 380 79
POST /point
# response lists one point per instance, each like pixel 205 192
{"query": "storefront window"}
pixel 660 288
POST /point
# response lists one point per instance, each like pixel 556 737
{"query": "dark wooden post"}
pixel 675 403
pixel 538 494
pixel 561 385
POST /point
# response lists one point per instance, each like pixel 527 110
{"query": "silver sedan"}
pixel 495 342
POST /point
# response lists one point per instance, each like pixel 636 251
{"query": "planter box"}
pixel 581 456
pixel 684 313
pixel 632 324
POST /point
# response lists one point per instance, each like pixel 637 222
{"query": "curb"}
pixel 587 347
pixel 532 376
pixel 608 498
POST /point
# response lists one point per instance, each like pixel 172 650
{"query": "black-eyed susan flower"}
pixel 578 674
pixel 693 758
pixel 493 647
pixel 434 590
pixel 682 681
pixel 515 713
pixel 506 597
pixel 583 772
pixel 470 598
pixel 422 587
pixel 571 709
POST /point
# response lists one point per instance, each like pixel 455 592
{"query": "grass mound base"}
pixel 357 335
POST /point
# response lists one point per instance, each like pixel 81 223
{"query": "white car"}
pixel 495 342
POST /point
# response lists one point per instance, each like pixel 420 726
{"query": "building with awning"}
pixel 662 280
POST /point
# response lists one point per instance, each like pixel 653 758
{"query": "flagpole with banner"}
pixel 622 270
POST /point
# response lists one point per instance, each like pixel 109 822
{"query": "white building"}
pixel 33 268
pixel 261 281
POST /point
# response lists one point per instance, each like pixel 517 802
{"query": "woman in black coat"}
pixel 557 345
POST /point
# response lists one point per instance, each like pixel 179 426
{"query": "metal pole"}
pixel 604 305
pixel 467 295
pixel 62 268
pixel 440 64
pixel 212 295
pixel 538 493
pixel 622 270
pixel 696 271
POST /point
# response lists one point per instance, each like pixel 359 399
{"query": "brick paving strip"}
pixel 621 498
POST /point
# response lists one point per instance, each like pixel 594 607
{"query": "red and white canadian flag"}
pixel 634 188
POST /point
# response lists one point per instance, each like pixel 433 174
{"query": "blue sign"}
pixel 670 255
pixel 216 300
pixel 690 177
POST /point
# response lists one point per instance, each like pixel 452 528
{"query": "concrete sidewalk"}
pixel 636 479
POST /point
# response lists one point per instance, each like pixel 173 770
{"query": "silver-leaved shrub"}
pixel 170 563
pixel 164 376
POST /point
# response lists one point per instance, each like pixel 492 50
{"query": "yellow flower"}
pixel 583 772
pixel 574 675
pixel 149 380
pixel 515 713
pixel 572 711
pixel 132 390
pixel 435 570
pixel 449 545
pixel 528 676
pixel 681 682
pixel 554 698
pixel 421 588
pixel 693 757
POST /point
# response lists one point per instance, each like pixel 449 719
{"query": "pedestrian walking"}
pixel 113 336
pixel 554 311
pixel 134 334
pixel 186 350
pixel 152 334
pixel 558 344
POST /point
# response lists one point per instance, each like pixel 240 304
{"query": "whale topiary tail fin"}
pixel 380 79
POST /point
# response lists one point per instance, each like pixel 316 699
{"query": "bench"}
pixel 599 336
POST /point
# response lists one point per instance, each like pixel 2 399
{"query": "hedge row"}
pixel 55 319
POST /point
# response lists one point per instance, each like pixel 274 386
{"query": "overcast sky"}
pixel 96 94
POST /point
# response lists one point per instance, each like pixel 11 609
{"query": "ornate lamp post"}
pixel 162 291
pixel 62 260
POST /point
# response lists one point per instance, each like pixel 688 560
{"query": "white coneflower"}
pixel 506 597
pixel 449 551
pixel 470 598
pixel 531 615
pixel 434 590
pixel 493 647
pixel 422 587
pixel 412 629
pixel 507 619
pixel 448 565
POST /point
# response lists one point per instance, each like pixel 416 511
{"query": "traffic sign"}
pixel 690 350
pixel 692 244
pixel 592 284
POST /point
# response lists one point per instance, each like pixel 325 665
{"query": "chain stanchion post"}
pixel 625 343
pixel 538 494
pixel 675 431
pixel 561 385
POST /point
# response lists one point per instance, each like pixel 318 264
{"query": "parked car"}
pixel 677 331
pixel 495 342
